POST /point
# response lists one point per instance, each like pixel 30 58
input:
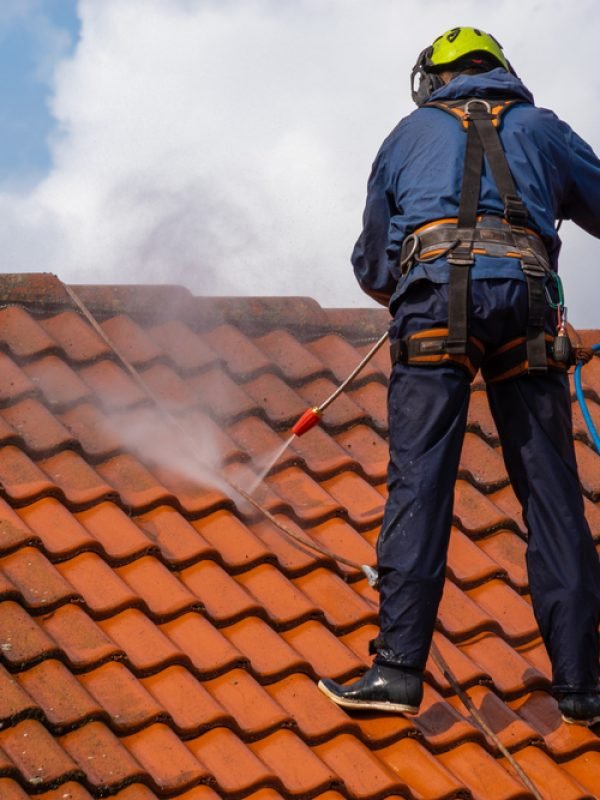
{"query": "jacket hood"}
pixel 495 83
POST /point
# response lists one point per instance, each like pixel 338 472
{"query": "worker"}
pixel 460 241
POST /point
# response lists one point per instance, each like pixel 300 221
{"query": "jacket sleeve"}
pixel 582 201
pixel 369 258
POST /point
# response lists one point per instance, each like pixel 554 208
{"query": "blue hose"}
pixel 582 402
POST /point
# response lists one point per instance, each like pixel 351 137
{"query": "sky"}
pixel 225 145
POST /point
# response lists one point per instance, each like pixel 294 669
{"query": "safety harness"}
pixel 461 238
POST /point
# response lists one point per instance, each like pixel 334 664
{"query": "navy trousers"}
pixel 427 419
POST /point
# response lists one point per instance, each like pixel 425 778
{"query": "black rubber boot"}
pixel 580 708
pixel 381 688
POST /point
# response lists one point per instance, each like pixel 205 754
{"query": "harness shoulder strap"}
pixel 481 119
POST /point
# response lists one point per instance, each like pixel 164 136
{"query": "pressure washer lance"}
pixel 312 416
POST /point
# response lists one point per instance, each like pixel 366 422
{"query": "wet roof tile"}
pixel 186 350
pixel 131 340
pixel 58 382
pixel 176 638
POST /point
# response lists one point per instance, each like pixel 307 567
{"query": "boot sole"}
pixel 585 722
pixel 368 705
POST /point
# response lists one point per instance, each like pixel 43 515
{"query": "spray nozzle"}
pixel 308 420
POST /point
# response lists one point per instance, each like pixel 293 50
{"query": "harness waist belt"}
pixel 491 237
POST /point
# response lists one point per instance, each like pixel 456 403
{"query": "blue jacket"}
pixel 417 176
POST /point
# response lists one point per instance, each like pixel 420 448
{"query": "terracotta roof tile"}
pixel 40 585
pixel 325 653
pixel 21 479
pixel 80 343
pixel 22 641
pixel 122 697
pixel 468 563
pixel 81 484
pixel 419 770
pixel 481 773
pixel 15 702
pixel 101 756
pixel 207 649
pixel 171 765
pixel 508 551
pixel 115 533
pixel 16 384
pixel 81 640
pixel 282 751
pixel 248 703
pixel 92 431
pixel 178 541
pixel 219 395
pixel 22 336
pixel 341 358
pixel 217 749
pixel 511 673
pixel 315 716
pixel 59 384
pixel 161 639
pixel 367 449
pixel 14 532
pixel 131 340
pixel 62 698
pixel 362 773
pixel 269 654
pixel 191 708
pixel 37 755
pixel 295 361
pixel 243 358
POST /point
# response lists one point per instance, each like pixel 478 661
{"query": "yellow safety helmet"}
pixel 457 47
pixel 460 42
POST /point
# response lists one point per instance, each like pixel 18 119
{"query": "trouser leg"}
pixel 533 417
pixel 427 419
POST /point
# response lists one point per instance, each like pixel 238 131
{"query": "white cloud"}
pixel 226 145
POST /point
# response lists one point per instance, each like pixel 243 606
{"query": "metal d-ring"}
pixel 485 103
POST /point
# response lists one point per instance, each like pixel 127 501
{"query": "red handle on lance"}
pixel 312 416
